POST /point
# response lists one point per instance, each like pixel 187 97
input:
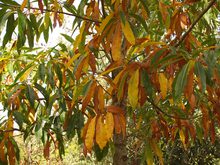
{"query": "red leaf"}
pixel 41 6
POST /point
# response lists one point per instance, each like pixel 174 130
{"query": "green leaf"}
pixel 19 118
pixel 157 55
pixel 43 92
pixel 10 27
pixel 200 71
pixel 22 72
pixel 42 71
pixel 100 154
pixel 146 83
pixel 59 74
pixel 30 34
pixel 68 38
pixel 181 80
pixel 149 154
pixel 30 94
pixel 4 19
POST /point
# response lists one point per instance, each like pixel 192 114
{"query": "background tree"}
pixel 137 68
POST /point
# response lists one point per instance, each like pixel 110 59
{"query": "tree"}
pixel 142 69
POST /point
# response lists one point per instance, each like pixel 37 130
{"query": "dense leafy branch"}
pixel 194 23
pixel 48 10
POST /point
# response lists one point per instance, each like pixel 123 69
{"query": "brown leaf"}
pixel 117 124
pixel 115 109
pixel 47 150
pixel 11 153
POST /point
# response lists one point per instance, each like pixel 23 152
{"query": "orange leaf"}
pixel 11 153
pixel 90 134
pixel 117 124
pixel 24 3
pixel 88 96
pixel 115 109
pixel 116 44
pixel 109 125
pixel 101 133
pixel 2 150
pixel 182 138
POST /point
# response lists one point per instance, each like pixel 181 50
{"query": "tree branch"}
pixel 158 109
pixel 48 10
pixel 194 23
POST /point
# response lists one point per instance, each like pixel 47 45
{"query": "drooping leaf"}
pixel 109 125
pixel 90 134
pixel 101 133
pixel 116 44
pixel 199 70
pixel 163 84
pixel 24 3
pixel 133 89
pixel 126 28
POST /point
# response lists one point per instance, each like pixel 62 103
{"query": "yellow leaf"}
pixel 163 84
pixel 182 138
pixel 75 56
pixel 24 3
pixel 79 37
pixel 133 89
pixel 101 99
pixel 10 125
pixel 104 23
pixel 90 134
pixel 101 133
pixel 157 150
pixel 116 44
pixel 109 125
pixel 129 35
pixel 26 73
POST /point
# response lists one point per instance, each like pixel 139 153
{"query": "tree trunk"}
pixel 120 155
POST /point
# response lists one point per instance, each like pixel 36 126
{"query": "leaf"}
pixel 101 133
pixel 24 73
pixel 109 125
pixel 163 85
pixel 90 134
pixel 157 150
pixel 115 109
pixel 133 89
pixel 67 37
pixel 47 150
pixel 149 154
pixel 181 80
pixel 10 27
pixel 24 3
pixel 200 71
pixel 104 23
pixel 146 83
pixel 182 138
pixel 2 151
pixel 101 99
pixel 88 96
pixel 11 153
pixel 116 44
pixel 30 94
pixel 41 6
pixel 117 124
pixel 129 35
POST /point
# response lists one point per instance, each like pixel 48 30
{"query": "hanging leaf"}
pixel 133 89
pixel 47 150
pixel 200 71
pixel 149 154
pixel 129 35
pixel 116 44
pixel 157 150
pixel 163 85
pixel 104 23
pixel 90 134
pixel 101 133
pixel 109 120
pixel 41 6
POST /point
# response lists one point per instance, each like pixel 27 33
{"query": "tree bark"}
pixel 120 155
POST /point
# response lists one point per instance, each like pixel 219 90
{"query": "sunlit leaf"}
pixel 133 89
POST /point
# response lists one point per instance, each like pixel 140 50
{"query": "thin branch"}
pixel 48 10
pixel 158 109
pixel 194 23
pixel 11 130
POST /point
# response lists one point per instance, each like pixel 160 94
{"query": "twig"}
pixel 60 12
pixel 194 23
pixel 158 109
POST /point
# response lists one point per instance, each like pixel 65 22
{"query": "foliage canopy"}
pixel 147 69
